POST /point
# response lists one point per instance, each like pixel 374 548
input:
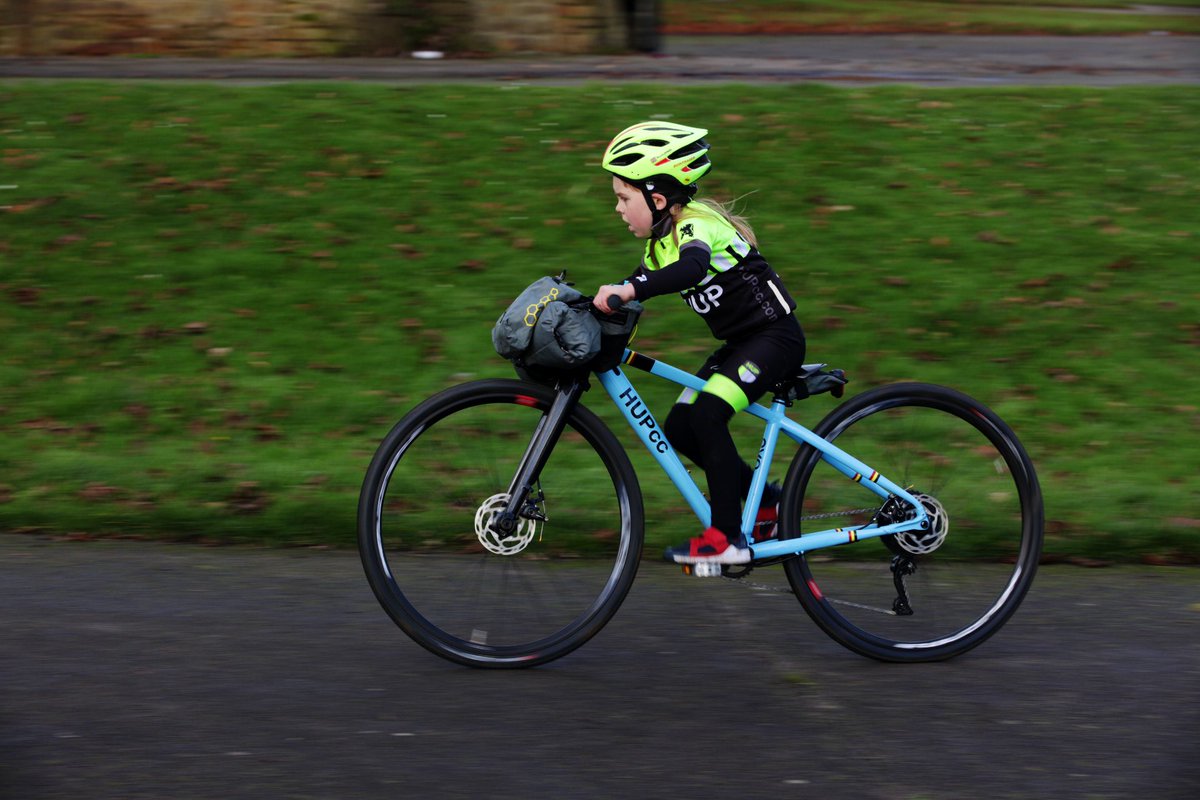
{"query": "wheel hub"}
pixel 492 538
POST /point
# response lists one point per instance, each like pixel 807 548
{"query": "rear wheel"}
pixel 928 595
pixel 449 576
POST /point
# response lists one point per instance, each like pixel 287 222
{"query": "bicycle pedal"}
pixel 702 570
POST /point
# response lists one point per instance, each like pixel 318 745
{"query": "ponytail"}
pixel 723 210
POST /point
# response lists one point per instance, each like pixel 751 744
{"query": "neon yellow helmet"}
pixel 651 150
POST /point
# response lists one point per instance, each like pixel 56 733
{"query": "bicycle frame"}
pixel 625 396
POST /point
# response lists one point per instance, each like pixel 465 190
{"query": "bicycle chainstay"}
pixel 740 575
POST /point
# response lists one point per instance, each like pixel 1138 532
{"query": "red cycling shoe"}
pixel 710 547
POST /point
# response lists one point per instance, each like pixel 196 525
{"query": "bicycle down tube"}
pixel 637 414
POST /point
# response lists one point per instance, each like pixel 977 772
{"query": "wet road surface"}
pixel 145 670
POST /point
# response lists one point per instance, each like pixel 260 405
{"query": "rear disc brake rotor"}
pixel 923 542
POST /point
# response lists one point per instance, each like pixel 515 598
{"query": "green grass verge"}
pixel 216 300
pixel 1059 17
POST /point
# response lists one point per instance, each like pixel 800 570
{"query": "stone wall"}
pixel 243 28
pixel 549 26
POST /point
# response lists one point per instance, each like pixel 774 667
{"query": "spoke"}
pixel 886 611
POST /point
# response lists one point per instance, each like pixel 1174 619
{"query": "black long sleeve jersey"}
pixel 720 275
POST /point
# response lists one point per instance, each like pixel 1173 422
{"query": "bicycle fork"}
pixel 541 444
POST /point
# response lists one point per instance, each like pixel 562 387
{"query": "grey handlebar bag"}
pixel 542 329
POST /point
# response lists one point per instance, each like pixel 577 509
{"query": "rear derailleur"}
pixel 902 567
pixel 903 564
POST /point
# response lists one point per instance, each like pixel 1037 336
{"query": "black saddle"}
pixel 812 379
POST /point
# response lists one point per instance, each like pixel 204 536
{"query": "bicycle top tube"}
pixel 689 380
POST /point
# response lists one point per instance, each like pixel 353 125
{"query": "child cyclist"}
pixel 710 256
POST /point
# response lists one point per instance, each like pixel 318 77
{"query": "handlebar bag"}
pixel 543 327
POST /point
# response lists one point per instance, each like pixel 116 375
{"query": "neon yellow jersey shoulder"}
pixel 698 225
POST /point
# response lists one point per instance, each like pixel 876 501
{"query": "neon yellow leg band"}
pixel 728 391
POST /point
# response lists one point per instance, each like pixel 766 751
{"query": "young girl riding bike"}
pixel 710 256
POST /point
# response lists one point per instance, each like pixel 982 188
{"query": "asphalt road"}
pixel 915 59
pixel 143 670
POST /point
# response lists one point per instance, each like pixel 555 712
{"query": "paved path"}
pixel 140 670
pixel 919 59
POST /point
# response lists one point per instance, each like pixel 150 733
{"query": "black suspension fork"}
pixel 545 436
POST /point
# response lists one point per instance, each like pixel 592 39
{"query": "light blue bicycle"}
pixel 500 523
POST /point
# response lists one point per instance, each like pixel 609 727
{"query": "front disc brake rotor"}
pixel 495 541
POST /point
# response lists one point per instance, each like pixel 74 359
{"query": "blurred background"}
pixel 327 27
pixel 216 298
pixel 305 28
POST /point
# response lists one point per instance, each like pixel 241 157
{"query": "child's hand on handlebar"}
pixel 623 291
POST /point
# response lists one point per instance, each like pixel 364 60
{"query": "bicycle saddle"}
pixel 812 379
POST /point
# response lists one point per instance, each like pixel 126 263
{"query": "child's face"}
pixel 631 205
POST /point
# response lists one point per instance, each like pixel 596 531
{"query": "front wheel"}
pixel 927 595
pixel 471 590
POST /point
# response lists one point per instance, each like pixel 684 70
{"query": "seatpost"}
pixel 545 436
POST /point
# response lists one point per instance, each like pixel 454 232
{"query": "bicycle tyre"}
pixel 440 468
pixel 944 445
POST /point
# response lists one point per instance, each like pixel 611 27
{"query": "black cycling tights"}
pixel 700 430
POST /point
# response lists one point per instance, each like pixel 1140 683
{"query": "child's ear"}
pixel 660 201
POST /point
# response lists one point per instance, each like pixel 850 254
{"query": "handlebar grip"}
pixel 615 303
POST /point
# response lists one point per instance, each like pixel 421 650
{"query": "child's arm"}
pixel 678 276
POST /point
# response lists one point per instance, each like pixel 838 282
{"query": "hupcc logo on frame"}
pixel 644 419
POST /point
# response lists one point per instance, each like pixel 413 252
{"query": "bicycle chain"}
pixel 846 513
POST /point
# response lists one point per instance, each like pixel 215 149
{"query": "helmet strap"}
pixel 676 194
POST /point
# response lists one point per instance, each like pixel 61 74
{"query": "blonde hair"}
pixel 723 210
